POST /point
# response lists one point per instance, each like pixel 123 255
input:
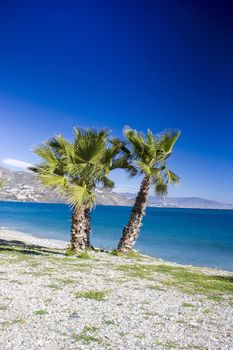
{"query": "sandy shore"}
pixel 50 301
pixel 29 239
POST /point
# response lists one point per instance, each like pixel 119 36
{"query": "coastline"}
pixel 116 205
pixel 29 239
pixel 102 301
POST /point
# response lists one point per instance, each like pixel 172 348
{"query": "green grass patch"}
pixel 87 336
pixel 54 286
pixel 3 307
pixel 16 282
pixel 109 322
pixel 140 271
pixel 206 311
pixel 131 254
pixel 40 312
pixel 37 273
pixel 215 287
pixel 70 252
pixel 84 255
pixel 92 294
pixel 151 313
pixel 188 305
pixel 167 345
pixel 12 322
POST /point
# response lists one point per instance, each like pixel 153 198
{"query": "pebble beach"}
pixel 101 301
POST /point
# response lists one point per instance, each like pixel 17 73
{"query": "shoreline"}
pixel 30 239
pixel 101 301
pixel 114 205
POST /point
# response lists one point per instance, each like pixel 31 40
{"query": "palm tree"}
pixel 149 156
pixel 75 169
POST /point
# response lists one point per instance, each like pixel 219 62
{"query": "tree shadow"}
pixel 28 249
pixel 222 278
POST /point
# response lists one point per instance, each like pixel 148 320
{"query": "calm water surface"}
pixel 187 236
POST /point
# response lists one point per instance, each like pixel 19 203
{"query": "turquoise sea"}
pixel 187 236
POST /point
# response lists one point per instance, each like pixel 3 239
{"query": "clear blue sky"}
pixel 155 64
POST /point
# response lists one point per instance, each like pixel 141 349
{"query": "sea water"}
pixel 187 236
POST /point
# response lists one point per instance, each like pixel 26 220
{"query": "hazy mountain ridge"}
pixel 183 202
pixel 23 186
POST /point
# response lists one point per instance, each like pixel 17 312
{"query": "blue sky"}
pixel 147 64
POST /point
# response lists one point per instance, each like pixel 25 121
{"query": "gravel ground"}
pixel 52 302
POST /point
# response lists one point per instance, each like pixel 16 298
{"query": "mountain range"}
pixel 23 186
pixel 183 202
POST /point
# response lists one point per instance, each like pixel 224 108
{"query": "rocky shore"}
pixel 102 301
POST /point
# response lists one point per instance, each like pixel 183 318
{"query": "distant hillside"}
pixel 183 202
pixel 23 186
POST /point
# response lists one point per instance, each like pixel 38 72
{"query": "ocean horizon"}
pixel 199 237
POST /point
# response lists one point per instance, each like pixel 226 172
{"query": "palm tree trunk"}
pixel 132 230
pixel 78 229
pixel 87 213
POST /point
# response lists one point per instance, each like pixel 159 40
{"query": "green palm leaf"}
pixel 79 195
pixel 53 180
pixel 172 177
pixel 144 168
pixel 161 188
pixel 45 152
pixel 168 139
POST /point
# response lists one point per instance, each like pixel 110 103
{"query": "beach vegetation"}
pixel 132 254
pixel 156 287
pixel 3 307
pixel 12 322
pixel 87 335
pixel 149 158
pixel 66 280
pixel 40 312
pixel 109 322
pixel 99 295
pixel 54 286
pixel 84 255
pixel 206 310
pixel 70 252
pixel 188 305
pixel 167 345
pixel 16 282
pixel 215 287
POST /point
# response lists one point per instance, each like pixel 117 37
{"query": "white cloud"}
pixel 16 163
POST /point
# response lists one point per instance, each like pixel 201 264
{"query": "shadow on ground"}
pixel 28 249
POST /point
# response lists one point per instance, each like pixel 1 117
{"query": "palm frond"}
pixel 168 139
pixel 135 139
pixel 160 188
pixel 79 195
pixel 107 183
pixel 89 145
pixel 144 168
pixel 53 180
pixel 150 138
pixel 46 153
pixel 172 177
pixel 60 146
